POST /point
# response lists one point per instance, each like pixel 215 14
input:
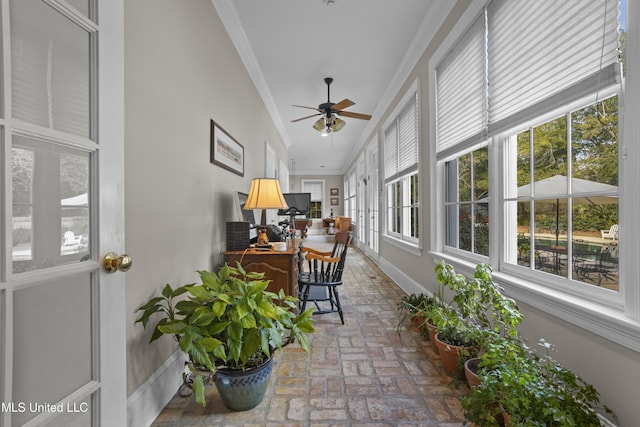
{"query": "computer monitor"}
pixel 246 215
pixel 299 204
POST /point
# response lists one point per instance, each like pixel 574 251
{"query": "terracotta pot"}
pixel 471 371
pixel 449 356
pixel 433 330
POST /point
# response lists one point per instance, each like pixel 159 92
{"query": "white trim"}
pixel 402 244
pixel 147 402
pixel 109 216
pixel 231 22
pixel 630 173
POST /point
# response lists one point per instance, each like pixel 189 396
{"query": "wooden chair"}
pixel 324 275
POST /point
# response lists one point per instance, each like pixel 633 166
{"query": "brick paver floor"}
pixel 360 374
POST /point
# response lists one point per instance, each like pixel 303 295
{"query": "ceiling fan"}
pixel 330 122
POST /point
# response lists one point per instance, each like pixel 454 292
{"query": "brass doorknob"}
pixel 113 262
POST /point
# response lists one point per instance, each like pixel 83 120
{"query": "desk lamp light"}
pixel 265 194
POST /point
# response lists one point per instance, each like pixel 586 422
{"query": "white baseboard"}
pixel 146 403
pixel 405 282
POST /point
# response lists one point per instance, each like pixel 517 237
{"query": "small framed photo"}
pixel 334 192
pixel 334 201
pixel 226 152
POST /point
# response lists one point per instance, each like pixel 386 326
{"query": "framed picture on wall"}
pixel 226 152
pixel 334 192
pixel 334 201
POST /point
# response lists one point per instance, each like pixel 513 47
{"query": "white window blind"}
pixel 461 88
pixel 315 188
pixel 401 141
pixel 352 183
pixel 391 151
pixel 540 48
pixel 408 136
pixel 49 69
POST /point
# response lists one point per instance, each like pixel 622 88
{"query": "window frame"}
pixel 403 238
pixel 614 317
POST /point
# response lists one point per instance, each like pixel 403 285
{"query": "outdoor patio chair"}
pixel 70 239
pixel 320 282
pixel 611 233
pixel 602 265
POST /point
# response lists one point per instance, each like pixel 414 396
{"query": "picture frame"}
pixel 226 152
pixel 334 201
pixel 335 192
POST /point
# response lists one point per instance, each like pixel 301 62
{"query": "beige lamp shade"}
pixel 264 194
pixel 334 124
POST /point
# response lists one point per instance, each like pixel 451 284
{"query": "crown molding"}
pixel 231 22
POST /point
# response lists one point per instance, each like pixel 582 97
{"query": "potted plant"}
pixel 476 312
pixel 519 387
pixel 228 326
pixel 418 309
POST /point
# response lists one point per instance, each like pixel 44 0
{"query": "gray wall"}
pixel 181 71
pixel 330 181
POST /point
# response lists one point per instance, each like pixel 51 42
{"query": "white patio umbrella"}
pixel 582 191
pixel 79 200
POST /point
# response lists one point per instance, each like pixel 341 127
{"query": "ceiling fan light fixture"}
pixel 337 124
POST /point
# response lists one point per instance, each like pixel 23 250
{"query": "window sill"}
pixel 404 245
pixel 609 322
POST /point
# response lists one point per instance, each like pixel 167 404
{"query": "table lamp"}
pixel 265 194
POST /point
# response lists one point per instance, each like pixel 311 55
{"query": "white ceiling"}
pixel 367 46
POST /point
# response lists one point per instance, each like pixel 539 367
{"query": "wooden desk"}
pixel 281 267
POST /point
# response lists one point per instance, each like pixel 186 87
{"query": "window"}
pixel 467 202
pixel 316 188
pixel 401 156
pixel 527 154
pixel 565 189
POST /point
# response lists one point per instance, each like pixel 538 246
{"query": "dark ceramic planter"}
pixel 243 390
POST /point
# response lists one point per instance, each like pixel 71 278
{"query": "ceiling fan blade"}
pixel 310 108
pixel 343 104
pixel 305 117
pixel 354 115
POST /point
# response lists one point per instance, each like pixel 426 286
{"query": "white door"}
pixel 62 319
pixel 372 199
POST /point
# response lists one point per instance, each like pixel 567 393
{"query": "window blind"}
pixel 408 136
pixel 50 69
pixel 315 188
pixel 391 151
pixel 541 48
pixel 401 142
pixel 461 88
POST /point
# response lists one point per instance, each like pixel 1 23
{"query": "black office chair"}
pixel 324 275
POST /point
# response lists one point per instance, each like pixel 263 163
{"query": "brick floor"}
pixel 361 374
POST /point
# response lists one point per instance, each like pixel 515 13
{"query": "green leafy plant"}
pixel 229 320
pixel 478 305
pixel 533 389
pixel 417 308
